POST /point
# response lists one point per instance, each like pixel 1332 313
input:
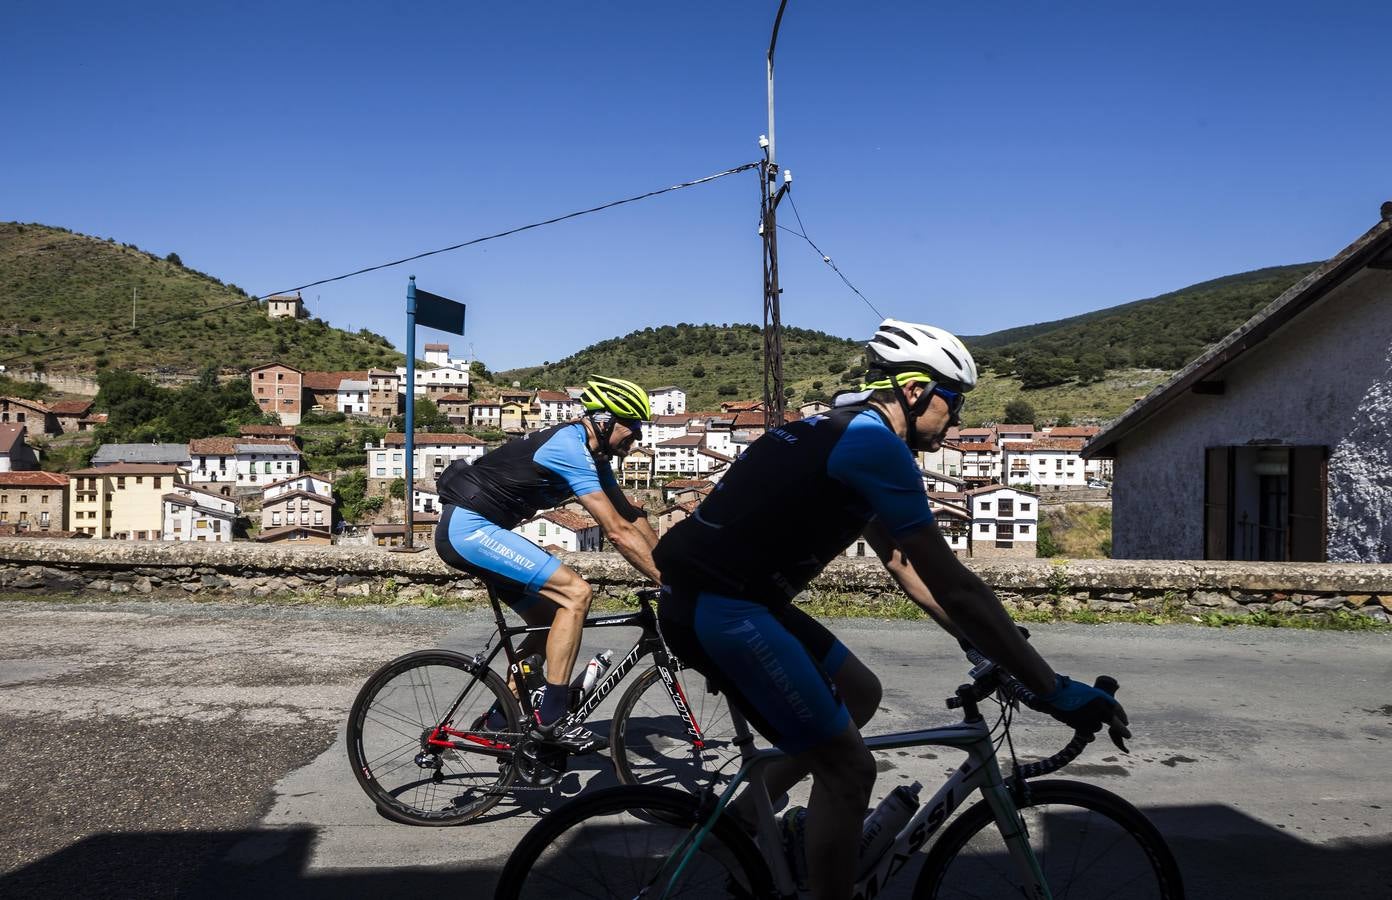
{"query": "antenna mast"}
pixel 768 228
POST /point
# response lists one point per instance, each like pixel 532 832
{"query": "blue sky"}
pixel 978 166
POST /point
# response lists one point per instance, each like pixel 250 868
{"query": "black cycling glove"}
pixel 1082 707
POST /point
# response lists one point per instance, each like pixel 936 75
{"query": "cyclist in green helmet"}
pixel 484 501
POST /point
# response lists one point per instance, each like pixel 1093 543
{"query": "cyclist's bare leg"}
pixel 860 690
pixel 843 774
pixel 571 595
pixel 542 613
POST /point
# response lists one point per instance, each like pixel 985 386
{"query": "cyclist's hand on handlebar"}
pixel 1086 709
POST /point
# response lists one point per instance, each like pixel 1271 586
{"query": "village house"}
pixel 91 421
pixel 308 509
pixel 425 499
pixel 486 416
pixel 384 394
pixel 193 514
pixel 562 528
pixel 675 512
pixel 514 415
pixel 321 389
pixel 454 407
pixel 947 459
pixel 813 408
pixel 686 488
pixel 556 407
pixel 667 400
pixel 285 306
pixel 158 454
pixel 636 468
pixel 1273 443
pixel 122 501
pixel 1048 463
pixel 663 428
pixel 386 462
pixel 351 397
pixel 282 432
pixel 1004 521
pixel 35 502
pixel 279 390
pixel 32 414
pixel 307 482
pixel 681 456
pixel 434 383
pixel 393 534
pixel 1014 434
pixel 70 413
pixel 15 453
pixel 981 462
pixel 241 463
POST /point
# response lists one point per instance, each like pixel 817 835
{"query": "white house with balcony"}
pixel 386 461
pixel 193 514
pixel 1004 521
pixel 425 499
pixel 687 455
pixel 668 400
pixel 562 528
pixel 663 428
pixel 981 461
pixel 1049 464
pixel 554 407
pixel 353 396
pixel 241 462
pixel 308 483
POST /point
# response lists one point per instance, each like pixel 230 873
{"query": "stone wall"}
pixel 256 570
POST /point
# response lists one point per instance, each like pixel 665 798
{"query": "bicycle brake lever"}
pixel 1116 735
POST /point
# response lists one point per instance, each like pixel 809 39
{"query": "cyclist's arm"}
pixel 898 566
pixel 628 537
pixel 972 607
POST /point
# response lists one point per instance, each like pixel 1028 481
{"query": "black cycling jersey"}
pixel 792 502
pixel 539 471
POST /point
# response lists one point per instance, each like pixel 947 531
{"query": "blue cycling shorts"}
pixel 514 566
pixel 775 664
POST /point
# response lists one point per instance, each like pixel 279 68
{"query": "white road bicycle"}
pixel 1025 837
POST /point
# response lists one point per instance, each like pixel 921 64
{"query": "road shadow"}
pixel 1223 852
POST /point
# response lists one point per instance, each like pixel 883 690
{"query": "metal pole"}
pixel 773 318
pixel 410 536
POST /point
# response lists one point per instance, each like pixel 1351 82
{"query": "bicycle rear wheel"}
pixel 616 842
pixel 650 741
pixel 1090 844
pixel 398 709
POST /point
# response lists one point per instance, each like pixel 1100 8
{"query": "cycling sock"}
pixel 496 719
pixel 553 703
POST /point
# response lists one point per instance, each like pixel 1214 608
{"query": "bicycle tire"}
pixel 1061 816
pixel 612 842
pixel 383 741
pixel 649 742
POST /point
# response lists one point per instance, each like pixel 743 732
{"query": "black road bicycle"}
pixel 1026 838
pixel 418 747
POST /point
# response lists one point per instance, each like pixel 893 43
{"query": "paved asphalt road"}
pixel 182 749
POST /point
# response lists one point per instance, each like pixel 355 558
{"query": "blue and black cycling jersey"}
pixel 510 484
pixel 793 502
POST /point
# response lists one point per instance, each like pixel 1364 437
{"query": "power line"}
pixel 826 259
pixel 387 265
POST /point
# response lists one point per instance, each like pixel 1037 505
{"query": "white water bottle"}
pixel 884 824
pixel 595 670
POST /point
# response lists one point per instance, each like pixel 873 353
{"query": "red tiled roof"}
pixel 676 419
pixel 1073 431
pixel 128 469
pixel 567 519
pixel 751 419
pixel 423 438
pixel 678 484
pixel 684 440
pixel 323 478
pixel 451 398
pixel 71 407
pixel 27 404
pixel 1047 443
pixel 987 447
pixel 225 446
pixel 94 418
pixel 9 436
pixel 275 365
pixel 444 347
pixel 328 381
pixel 1014 428
pixel 986 489
pixel 968 433
pixel 274 533
pixel 318 498
pixel 33 479
pixel 704 451
pixel 553 397
pixel 686 506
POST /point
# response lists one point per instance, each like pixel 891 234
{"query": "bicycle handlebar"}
pixel 990 677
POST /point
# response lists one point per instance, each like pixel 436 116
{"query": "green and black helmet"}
pixel 615 395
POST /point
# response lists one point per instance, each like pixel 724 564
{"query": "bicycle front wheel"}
pixel 1089 842
pixel 394 716
pixel 617 843
pixel 651 743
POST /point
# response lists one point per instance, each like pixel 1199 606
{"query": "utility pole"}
pixel 768 228
pixel 132 306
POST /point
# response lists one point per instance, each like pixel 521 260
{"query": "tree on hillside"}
pixel 479 370
pixel 174 258
pixel 1019 412
pixel 428 417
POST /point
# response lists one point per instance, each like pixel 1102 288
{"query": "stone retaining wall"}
pixel 254 570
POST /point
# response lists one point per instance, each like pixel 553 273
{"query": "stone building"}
pixel 15 453
pixel 279 390
pixel 285 306
pixel 1276 443
pixel 34 502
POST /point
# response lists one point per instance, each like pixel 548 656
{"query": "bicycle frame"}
pixel 980 772
pixel 649 642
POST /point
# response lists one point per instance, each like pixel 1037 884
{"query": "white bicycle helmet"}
pixel 899 347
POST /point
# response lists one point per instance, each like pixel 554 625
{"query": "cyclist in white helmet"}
pixel 793 502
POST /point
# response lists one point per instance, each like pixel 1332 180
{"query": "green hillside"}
pixel 710 362
pixel 58 287
pixel 1162 332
